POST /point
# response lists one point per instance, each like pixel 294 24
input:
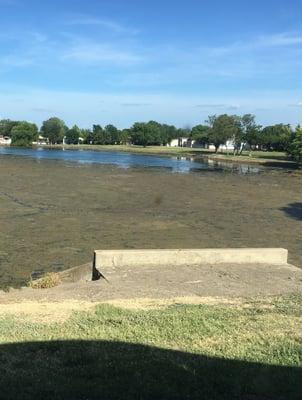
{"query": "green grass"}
pixel 179 352
pixel 163 150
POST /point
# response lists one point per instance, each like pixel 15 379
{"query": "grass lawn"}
pixel 248 350
pixel 136 149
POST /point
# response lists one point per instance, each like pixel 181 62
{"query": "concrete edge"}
pixel 131 258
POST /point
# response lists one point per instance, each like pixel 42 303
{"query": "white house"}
pixel 181 142
pixel 5 141
pixel 41 141
pixel 188 142
pixel 228 146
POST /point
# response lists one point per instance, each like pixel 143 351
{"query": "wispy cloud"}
pixel 229 107
pixel 119 63
pixel 106 23
pixel 14 60
pixel 90 52
pixel 84 108
pixel 210 105
pixel 299 104
pixel 279 39
pixel 42 110
pixel 135 104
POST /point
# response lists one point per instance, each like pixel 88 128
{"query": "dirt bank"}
pixel 153 282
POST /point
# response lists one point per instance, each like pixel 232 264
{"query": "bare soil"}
pixel 153 282
pixel 54 214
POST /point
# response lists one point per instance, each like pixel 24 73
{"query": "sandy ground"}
pixel 154 286
pixel 53 215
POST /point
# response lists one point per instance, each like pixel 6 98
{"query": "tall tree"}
pixel 167 133
pixel 276 137
pixel 6 126
pixel 72 135
pixel 24 134
pixel 54 129
pixel 85 134
pixel 145 134
pixel 201 133
pixel 98 135
pixel 295 145
pixel 125 135
pixel 250 131
pixel 112 134
pixel 222 128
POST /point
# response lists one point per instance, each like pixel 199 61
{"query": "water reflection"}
pixel 179 164
pixel 235 167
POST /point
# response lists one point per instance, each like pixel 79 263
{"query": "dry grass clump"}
pixel 47 281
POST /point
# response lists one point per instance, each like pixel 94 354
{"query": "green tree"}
pixel 140 134
pixel 250 132
pixel 276 137
pixel 295 145
pixel 112 134
pixel 6 126
pixel 54 129
pixel 98 135
pixel 201 133
pixel 167 133
pixel 125 136
pixel 146 133
pixel 72 135
pixel 24 134
pixel 85 134
pixel 222 128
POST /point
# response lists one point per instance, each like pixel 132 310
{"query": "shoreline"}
pixel 187 152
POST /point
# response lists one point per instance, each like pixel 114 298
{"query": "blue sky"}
pixel 175 61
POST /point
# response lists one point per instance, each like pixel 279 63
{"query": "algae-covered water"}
pixel 54 213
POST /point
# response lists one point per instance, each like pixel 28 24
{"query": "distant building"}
pixel 5 141
pixel 41 141
pixel 188 142
pixel 228 146
pixel 181 142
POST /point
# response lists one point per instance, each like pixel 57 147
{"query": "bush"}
pixel 49 280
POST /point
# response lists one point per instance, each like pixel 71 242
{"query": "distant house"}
pixel 41 141
pixel 228 146
pixel 188 142
pixel 181 142
pixel 80 140
pixel 5 141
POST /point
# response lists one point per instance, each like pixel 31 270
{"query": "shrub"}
pixel 49 280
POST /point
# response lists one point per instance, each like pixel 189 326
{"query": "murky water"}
pixel 54 213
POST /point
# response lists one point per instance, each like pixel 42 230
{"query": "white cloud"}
pixel 280 39
pixel 135 104
pixel 106 23
pixel 299 104
pixel 210 105
pixel 14 60
pixel 89 52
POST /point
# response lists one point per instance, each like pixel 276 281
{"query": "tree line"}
pixel 243 131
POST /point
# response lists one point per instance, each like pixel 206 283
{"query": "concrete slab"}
pixel 107 260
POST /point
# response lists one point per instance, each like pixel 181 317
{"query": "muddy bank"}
pixel 53 214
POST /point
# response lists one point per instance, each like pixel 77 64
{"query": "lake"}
pixel 56 207
pixel 179 164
